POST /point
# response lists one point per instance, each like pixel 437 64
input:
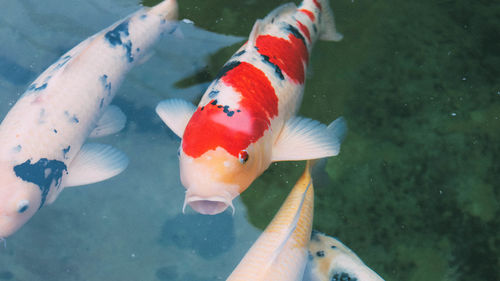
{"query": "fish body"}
pixel 246 118
pixel 42 136
pixel 288 250
pixel 281 251
pixel 333 261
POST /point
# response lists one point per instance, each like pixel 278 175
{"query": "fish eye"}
pixel 22 206
pixel 243 156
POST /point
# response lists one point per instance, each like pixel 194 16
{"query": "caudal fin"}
pixel 328 31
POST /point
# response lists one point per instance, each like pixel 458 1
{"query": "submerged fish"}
pixel 286 250
pixel 280 252
pixel 333 261
pixel 42 136
pixel 246 118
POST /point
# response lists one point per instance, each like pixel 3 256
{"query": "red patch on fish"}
pixel 210 127
pixel 317 4
pixel 289 55
pixel 304 30
pixel 308 13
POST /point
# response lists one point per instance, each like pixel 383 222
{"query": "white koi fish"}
pixel 280 253
pixel 246 118
pixel 333 261
pixel 42 137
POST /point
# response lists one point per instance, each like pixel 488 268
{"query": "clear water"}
pixel 415 191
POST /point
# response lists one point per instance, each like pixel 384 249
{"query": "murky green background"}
pixel 415 191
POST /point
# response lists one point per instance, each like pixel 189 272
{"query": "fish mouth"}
pixel 208 205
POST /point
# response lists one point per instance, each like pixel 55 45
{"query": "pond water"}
pixel 414 192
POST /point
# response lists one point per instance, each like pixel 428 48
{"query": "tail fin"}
pixel 328 31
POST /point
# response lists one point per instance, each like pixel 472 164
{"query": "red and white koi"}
pixel 42 137
pixel 246 118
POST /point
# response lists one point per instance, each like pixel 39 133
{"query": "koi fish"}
pixel 333 261
pixel 246 118
pixel 281 251
pixel 286 250
pixel 42 137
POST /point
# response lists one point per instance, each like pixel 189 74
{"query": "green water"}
pixel 414 192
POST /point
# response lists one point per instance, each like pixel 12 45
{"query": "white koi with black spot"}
pixel 42 137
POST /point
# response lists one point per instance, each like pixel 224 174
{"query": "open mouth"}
pixel 208 206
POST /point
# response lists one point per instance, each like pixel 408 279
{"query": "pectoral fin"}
pixel 175 113
pixel 95 163
pixel 304 138
pixel 112 121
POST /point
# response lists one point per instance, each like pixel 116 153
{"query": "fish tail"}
pixel 327 28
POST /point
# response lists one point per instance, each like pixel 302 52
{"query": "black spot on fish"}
pixel 115 37
pixel 43 173
pixel 62 62
pixel 227 67
pixel 230 113
pixel 343 276
pixel 238 110
pixel 226 109
pixel 333 247
pixel 55 131
pixel 23 208
pixel 219 106
pixel 72 119
pixel 320 254
pixel 276 68
pixel 202 108
pixel 213 94
pixel 128 48
pixel 34 87
pixel 138 50
pixel 105 84
pixel 214 102
pixel 315 28
pixel 315 235
pixel 239 53
pixel 296 33
pixel 65 151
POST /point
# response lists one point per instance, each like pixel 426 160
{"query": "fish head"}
pixel 215 178
pixel 332 260
pixel 19 201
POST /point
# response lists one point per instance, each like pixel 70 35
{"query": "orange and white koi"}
pixel 42 137
pixel 281 251
pixel 246 118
